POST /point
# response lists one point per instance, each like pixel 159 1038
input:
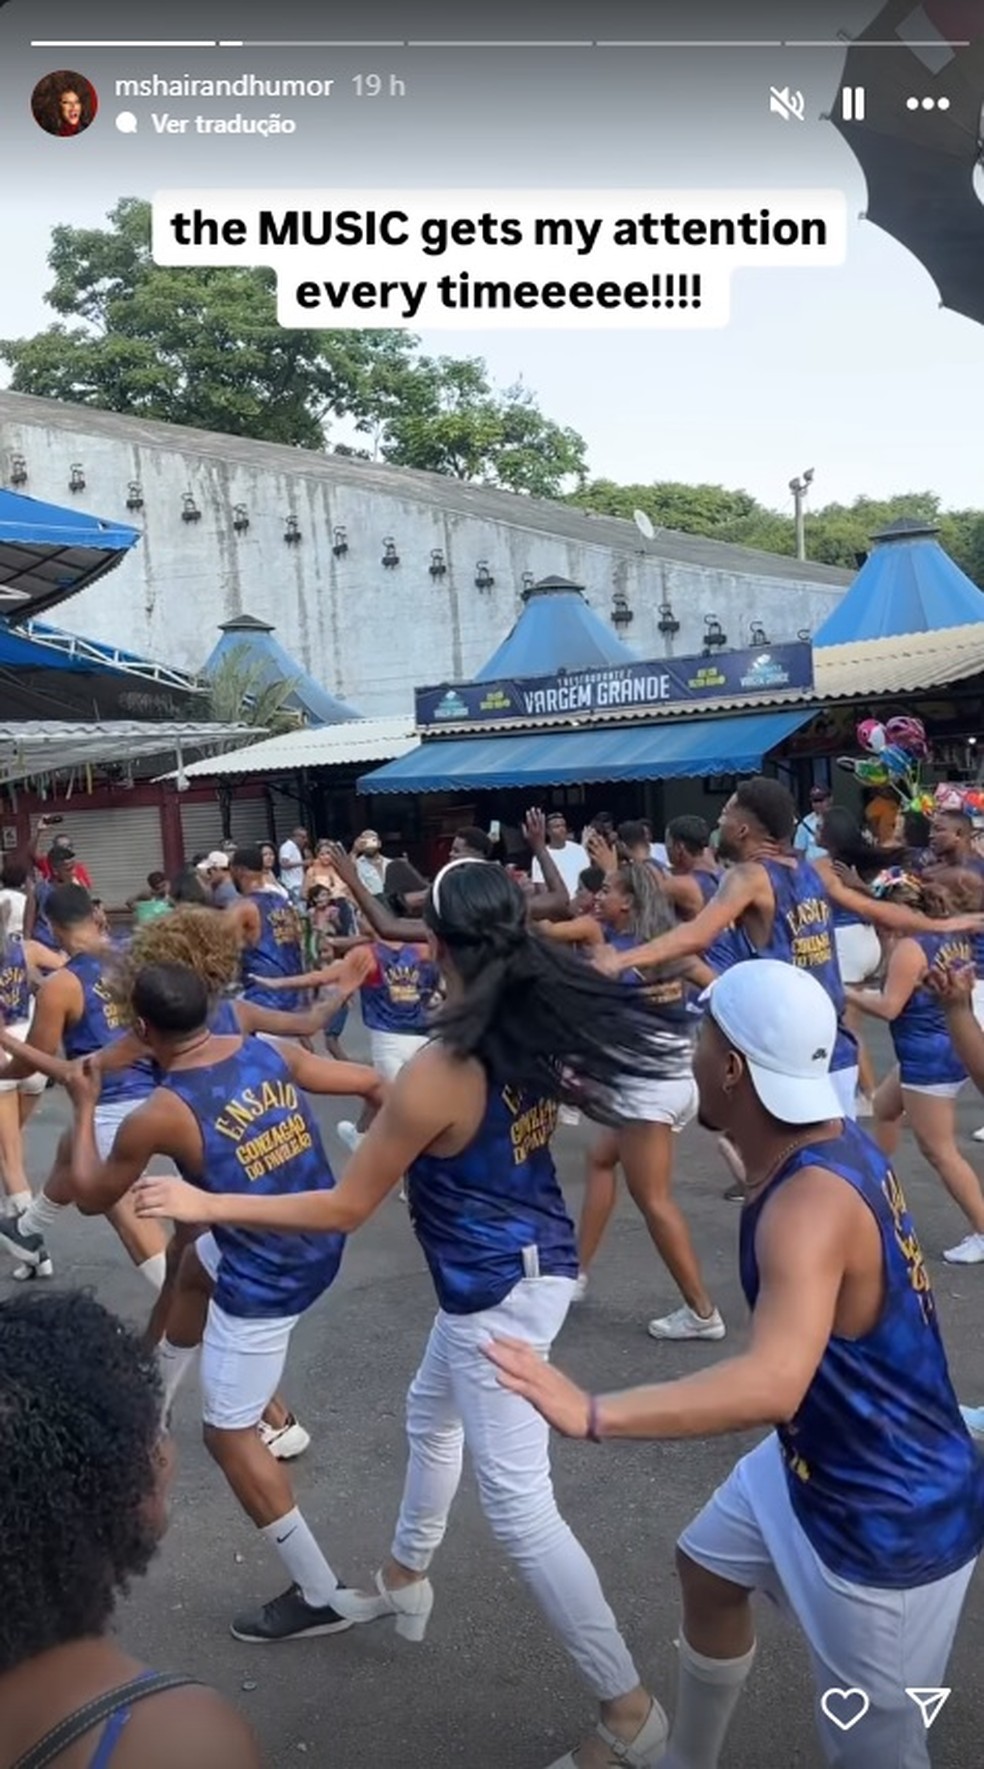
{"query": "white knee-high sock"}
pixel 18 1202
pixel 40 1215
pixel 707 1695
pixel 154 1270
pixel 291 1538
pixel 174 1362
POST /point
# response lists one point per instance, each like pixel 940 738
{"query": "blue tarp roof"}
pixel 256 638
pixel 556 631
pixel 671 749
pixel 48 553
pixel 907 585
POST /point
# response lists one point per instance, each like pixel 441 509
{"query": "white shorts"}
pixel 978 1001
pixel 935 1089
pixel 31 1084
pixel 845 1084
pixel 389 1052
pixel 860 1636
pixel 242 1359
pixel 675 1103
pixel 109 1117
pixel 859 952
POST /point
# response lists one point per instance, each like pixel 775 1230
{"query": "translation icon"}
pixel 930 1703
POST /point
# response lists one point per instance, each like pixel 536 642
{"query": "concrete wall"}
pixel 369 634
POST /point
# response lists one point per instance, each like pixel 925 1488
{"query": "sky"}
pixel 854 370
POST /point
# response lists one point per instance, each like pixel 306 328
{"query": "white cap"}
pixel 216 859
pixel 782 1021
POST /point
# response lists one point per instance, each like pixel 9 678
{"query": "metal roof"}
pixel 49 746
pixel 484 503
pixel 320 746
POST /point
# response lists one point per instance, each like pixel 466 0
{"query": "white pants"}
pixel 860 1636
pixel 389 1052
pixel 456 1399
pixel 242 1359
pixel 35 1083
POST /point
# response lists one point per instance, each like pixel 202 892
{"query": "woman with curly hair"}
pixel 64 103
pixel 83 1506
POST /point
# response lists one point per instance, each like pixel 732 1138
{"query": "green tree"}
pixel 199 346
pixel 690 509
pixel 240 693
pixel 202 347
pixel 445 417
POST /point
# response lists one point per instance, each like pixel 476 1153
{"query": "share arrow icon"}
pixel 930 1703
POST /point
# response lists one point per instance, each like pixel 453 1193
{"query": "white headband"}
pixel 464 860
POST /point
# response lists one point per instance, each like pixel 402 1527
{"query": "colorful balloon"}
pixel 871 771
pixel 897 761
pixel 908 734
pixel 871 736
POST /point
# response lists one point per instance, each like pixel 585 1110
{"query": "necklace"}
pixel 790 1148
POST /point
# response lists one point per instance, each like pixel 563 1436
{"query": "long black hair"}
pixel 534 1016
pixel 844 840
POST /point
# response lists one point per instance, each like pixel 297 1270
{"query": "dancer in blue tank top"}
pixel 272 934
pixel 928 1075
pixel 231 1113
pixel 22 963
pixel 862 1513
pixel 633 908
pixel 779 907
pixel 688 847
pixel 470 1121
pixel 952 843
pixel 76 1012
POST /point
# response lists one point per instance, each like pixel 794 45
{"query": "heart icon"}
pixel 845 1707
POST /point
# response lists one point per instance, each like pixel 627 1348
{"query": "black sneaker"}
pixel 288 1617
pixel 30 1249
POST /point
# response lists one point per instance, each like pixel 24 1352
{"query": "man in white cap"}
pixel 214 869
pixel 862 1512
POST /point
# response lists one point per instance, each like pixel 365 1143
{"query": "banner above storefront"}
pixel 636 687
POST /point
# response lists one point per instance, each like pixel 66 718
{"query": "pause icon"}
pixel 852 104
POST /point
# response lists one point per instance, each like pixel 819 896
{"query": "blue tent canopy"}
pixel 556 631
pixel 670 750
pixel 48 553
pixel 46 673
pixel 908 584
pixel 254 640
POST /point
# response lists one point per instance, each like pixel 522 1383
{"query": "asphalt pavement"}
pixel 489 1686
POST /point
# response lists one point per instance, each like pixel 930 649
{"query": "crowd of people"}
pixel 719 976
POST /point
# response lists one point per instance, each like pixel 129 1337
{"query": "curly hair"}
pixel 197 939
pixel 80 1409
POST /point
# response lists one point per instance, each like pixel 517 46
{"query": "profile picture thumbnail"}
pixel 64 103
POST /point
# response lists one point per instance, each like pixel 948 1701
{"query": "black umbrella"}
pixel 920 163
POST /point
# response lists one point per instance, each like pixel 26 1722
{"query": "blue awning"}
pixel 672 750
pixel 48 553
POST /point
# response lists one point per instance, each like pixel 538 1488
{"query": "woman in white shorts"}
pixel 18 958
pixel 923 1087
pixel 632 908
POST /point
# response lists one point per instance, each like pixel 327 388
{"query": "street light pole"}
pixel 799 489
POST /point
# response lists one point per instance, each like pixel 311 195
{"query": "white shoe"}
pixel 349 1134
pixel 646 1750
pixel 979 1134
pixel 969 1251
pixel 411 1605
pixel 973 1418
pixel 23 1273
pixel 287 1443
pixel 580 1287
pixel 685 1323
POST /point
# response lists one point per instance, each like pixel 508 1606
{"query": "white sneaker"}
pixel 290 1441
pixel 24 1273
pixel 349 1134
pixel 969 1251
pixel 973 1418
pixel 685 1323
pixel 580 1287
pixel 979 1134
